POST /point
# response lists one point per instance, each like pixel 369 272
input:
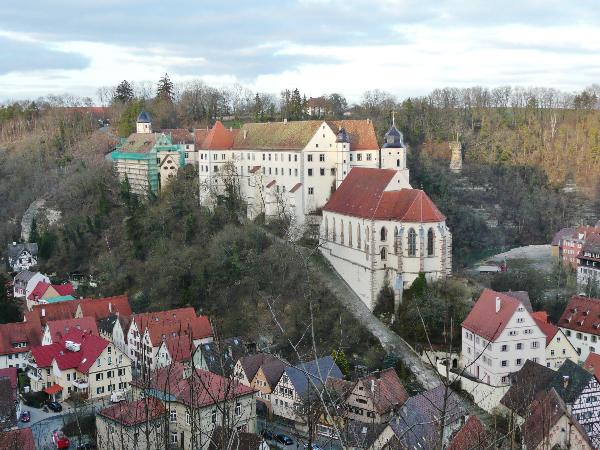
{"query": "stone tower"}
pixel 456 159
pixel 143 123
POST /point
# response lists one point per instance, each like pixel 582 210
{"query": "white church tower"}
pixel 143 123
pixel 393 153
pixel 342 147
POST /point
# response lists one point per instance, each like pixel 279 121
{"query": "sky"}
pixel 405 47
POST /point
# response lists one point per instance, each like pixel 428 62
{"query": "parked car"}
pixel 267 434
pixel 54 406
pixel 60 440
pixel 284 439
pixel 312 447
pixel 25 416
pixel 86 446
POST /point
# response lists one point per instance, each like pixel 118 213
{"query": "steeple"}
pixel 143 123
pixel 393 138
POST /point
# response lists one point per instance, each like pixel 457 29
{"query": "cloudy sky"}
pixel 407 47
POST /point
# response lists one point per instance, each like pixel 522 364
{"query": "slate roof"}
pixel 361 435
pixel 569 381
pixel 60 328
pixel 273 371
pixel 144 117
pixel 134 413
pixel 251 363
pixel 388 393
pixel 417 423
pixel 362 194
pixel 91 348
pixel 317 371
pixel 471 436
pixel 21 439
pixel 561 234
pixel 397 140
pixel 545 411
pixel 16 249
pixel 14 333
pixel 582 314
pixel 24 276
pixel 220 357
pixel 201 388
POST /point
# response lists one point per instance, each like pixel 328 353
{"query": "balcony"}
pixel 81 383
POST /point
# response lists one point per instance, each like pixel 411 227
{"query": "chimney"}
pixel 565 381
pixel 498 304
pixel 109 307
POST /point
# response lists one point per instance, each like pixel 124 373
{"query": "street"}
pixel 297 436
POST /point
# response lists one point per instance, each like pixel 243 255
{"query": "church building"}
pixel 377 230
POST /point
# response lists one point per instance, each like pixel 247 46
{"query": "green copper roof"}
pixel 61 298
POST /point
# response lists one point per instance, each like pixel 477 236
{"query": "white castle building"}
pixel 375 228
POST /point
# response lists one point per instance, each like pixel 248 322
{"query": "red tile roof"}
pixel 218 138
pixel 199 136
pixel 582 314
pixel 91 347
pixel 592 365
pixel 54 389
pixel 15 333
pixel 180 347
pixel 64 289
pixel 182 321
pixel 484 321
pixel 135 413
pixel 363 194
pixel 201 388
pixel 550 330
pixel 21 439
pixel 179 135
pixel 59 328
pixel 388 392
pixel 101 308
pixel 361 132
pixel 11 374
pixel 53 311
pixel 472 435
pixel 38 291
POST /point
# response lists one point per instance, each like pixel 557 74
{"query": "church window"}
pixel 412 242
pixel 334 234
pixel 383 253
pixel 358 236
pixel 359 156
pixel 383 234
pixel 342 232
pixel 430 242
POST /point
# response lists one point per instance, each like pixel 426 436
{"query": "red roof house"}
pixel 471 436
pixel 582 314
pixel 57 329
pixel 20 337
pixel 173 322
pixel 135 413
pixel 592 365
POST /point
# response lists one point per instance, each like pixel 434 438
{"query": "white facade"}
pixel 17 360
pixel 493 362
pixel 584 343
pixel 21 290
pixel 285 399
pixel 558 350
pixel 299 181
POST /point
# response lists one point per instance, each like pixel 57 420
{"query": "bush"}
pixel 35 399
pixel 86 422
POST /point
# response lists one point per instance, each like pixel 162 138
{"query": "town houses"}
pixel 498 336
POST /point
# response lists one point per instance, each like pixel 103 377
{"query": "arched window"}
pixel 430 241
pixel 396 240
pixel 327 228
pixel 342 232
pixel 412 242
pixel 383 234
pixel 350 234
pixel 397 163
pixel 358 243
pixel 383 253
pixel 334 234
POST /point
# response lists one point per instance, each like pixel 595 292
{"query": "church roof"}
pixel 218 138
pixel 144 117
pixel 363 194
pixel 393 138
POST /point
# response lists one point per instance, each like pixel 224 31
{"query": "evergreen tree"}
pixel 341 361
pixel 124 92
pixel 258 109
pixel 164 90
pixel 126 124
pixel 34 235
pixel 296 109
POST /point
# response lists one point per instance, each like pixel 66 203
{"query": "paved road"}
pixel 298 437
